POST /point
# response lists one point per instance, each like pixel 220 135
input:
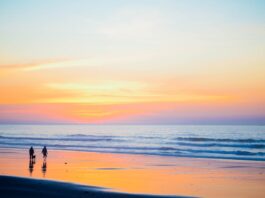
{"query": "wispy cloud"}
pixel 118 92
pixel 132 59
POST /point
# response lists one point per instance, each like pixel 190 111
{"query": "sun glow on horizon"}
pixel 132 62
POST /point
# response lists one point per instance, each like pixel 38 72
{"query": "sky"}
pixel 132 62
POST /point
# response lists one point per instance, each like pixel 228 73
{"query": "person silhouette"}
pixel 31 153
pixel 44 152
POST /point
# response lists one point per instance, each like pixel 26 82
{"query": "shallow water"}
pixel 203 141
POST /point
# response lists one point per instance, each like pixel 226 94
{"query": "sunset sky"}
pixel 132 62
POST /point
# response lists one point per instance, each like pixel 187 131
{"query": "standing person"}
pixel 31 153
pixel 44 152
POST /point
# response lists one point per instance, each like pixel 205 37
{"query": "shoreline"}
pixel 147 154
pixel 141 174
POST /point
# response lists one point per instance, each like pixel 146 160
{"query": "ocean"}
pixel 198 141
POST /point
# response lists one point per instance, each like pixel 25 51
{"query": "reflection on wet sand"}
pixel 144 174
pixel 44 167
pixel 31 166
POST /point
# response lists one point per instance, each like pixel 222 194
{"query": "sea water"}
pixel 200 141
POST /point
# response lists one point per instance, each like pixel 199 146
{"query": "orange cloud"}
pixel 61 92
pixel 128 113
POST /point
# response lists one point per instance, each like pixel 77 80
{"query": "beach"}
pixel 130 174
pixel 23 187
pixel 132 98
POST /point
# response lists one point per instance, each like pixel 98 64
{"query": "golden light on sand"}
pixel 143 174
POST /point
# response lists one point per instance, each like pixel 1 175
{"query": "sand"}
pixel 134 174
pixel 15 187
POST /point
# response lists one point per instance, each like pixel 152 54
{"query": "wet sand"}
pixel 136 174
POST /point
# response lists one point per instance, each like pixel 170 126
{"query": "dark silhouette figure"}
pixel 32 157
pixel 44 152
pixel 44 168
pixel 31 153
pixel 31 166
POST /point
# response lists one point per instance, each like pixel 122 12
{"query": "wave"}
pixel 183 141
pixel 164 145
pixel 251 146
pixel 73 138
pixel 159 150
pixel 201 139
pixel 89 136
